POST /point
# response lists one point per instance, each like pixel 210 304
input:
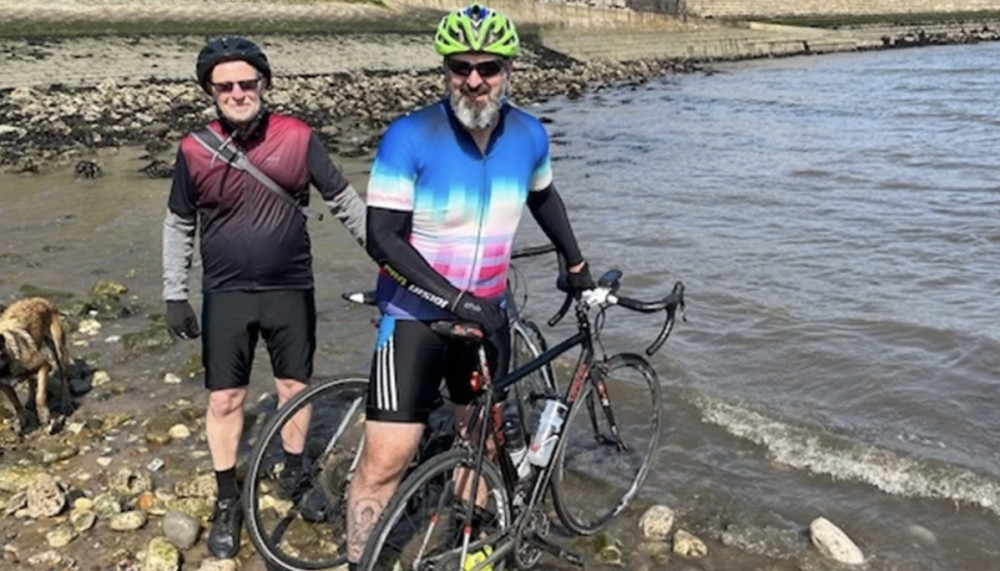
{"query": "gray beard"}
pixel 471 115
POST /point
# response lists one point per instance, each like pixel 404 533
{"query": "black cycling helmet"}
pixel 230 48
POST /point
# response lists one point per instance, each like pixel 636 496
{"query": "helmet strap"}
pixel 242 132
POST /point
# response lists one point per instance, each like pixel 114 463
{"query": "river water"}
pixel 836 220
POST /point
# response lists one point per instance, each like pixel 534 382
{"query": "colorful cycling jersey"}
pixel 465 204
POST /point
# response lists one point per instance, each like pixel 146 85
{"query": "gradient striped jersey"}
pixel 466 205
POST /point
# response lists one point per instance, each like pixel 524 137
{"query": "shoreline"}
pixel 67 98
pixel 349 105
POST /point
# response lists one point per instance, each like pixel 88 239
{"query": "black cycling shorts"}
pixel 410 361
pixel 233 320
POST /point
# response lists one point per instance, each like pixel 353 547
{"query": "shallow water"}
pixel 835 221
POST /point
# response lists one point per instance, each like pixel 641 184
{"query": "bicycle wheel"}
pixel 527 342
pixel 421 528
pixel 301 527
pixel 594 478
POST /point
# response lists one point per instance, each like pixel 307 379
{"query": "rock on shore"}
pixel 39 126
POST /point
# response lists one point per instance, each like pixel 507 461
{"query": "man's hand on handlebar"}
pixel 576 280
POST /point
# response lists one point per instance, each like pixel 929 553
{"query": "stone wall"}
pixel 770 8
pixel 586 14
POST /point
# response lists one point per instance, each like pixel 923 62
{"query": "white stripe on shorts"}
pixel 387 395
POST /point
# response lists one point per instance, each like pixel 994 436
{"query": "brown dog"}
pixel 27 326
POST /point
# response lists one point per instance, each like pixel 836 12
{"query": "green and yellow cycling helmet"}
pixel 476 29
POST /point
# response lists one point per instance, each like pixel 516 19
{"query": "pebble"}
pixel 100 378
pixel 60 536
pixel 128 521
pixel 179 432
pixel 832 542
pixel 687 545
pixel 45 496
pixel 656 523
pixel 181 529
pixel 82 520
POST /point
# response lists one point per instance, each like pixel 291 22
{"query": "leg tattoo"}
pixel 361 520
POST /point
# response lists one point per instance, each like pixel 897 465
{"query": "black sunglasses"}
pixel 245 85
pixel 484 69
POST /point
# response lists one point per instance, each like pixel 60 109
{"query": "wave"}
pixel 803 448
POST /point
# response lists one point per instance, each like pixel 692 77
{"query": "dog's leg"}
pixel 57 343
pixel 20 414
pixel 42 397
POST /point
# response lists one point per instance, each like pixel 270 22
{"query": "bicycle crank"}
pixel 525 553
pixel 554 550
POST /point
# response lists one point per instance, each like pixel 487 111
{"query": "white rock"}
pixel 179 432
pixel 89 327
pixel 834 543
pixel 657 522
pixel 75 427
pixel 922 534
pixel 48 559
pixel 100 378
pixel 22 94
pixel 8 129
pixel 211 564
pixel 687 545
pixel 171 379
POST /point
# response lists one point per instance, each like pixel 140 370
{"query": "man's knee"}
pixel 226 402
pixel 388 450
pixel 288 388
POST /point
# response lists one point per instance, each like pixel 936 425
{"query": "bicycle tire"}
pixel 583 458
pixel 282 535
pixel 419 528
pixel 526 343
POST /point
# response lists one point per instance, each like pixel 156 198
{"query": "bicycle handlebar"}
pixel 605 294
pixel 531 251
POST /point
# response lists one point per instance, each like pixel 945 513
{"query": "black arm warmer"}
pixel 387 243
pixel 550 213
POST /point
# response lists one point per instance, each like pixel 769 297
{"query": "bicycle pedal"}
pixel 554 550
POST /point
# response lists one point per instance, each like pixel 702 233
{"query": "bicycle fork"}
pixel 601 388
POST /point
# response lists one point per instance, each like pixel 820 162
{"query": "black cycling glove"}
pixel 575 283
pixel 483 312
pixel 580 281
pixel 181 319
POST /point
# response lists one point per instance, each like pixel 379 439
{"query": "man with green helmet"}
pixel 445 196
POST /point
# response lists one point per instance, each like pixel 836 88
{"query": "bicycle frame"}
pixel 487 401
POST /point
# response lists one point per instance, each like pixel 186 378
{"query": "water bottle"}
pixel 516 449
pixel 544 441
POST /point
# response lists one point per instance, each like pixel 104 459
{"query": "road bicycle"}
pixel 472 509
pixel 299 525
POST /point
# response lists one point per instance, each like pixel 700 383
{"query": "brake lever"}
pixel 567 302
pixel 671 320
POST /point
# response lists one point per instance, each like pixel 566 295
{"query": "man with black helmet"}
pixel 257 266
